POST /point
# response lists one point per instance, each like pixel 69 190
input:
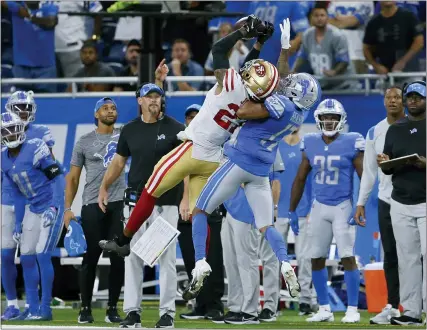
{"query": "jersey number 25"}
pixel 328 174
pixel 225 118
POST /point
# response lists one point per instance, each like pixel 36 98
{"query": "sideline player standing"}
pixel 23 104
pixel 292 155
pixel 33 171
pixel 374 146
pixel 199 155
pixel 332 157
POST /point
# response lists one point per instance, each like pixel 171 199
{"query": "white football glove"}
pixel 286 34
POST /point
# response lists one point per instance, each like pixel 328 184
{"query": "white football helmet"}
pixel 12 130
pixel 330 107
pixel 23 104
pixel 302 89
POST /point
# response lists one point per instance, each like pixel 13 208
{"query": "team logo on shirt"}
pixel 260 70
pixel 110 150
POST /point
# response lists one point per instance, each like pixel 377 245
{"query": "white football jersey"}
pixel 214 123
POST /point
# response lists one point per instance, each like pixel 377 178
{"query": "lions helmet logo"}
pixel 260 70
pixel 110 150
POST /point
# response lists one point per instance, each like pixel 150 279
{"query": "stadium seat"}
pixel 116 53
pixel 117 67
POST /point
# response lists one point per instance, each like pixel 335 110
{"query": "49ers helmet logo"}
pixel 260 70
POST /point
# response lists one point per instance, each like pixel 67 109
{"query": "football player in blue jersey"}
pixel 32 173
pixel 249 159
pixel 23 104
pixel 331 157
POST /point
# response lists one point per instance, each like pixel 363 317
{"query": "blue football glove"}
pixel 75 241
pixel 49 216
pixel 294 222
pixel 17 233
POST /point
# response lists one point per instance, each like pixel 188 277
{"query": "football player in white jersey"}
pixel 199 155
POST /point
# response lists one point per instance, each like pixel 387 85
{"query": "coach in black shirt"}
pixel 146 140
pixel 408 200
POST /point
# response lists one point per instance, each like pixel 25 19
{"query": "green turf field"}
pixel 288 320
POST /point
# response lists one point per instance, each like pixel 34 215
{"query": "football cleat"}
pixel 290 279
pixel 200 273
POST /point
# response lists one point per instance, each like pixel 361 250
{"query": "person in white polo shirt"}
pixel 374 146
pixel 71 32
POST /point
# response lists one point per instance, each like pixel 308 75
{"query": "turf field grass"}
pixel 288 319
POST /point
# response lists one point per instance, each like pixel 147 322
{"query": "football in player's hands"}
pixel 253 25
pixel 269 30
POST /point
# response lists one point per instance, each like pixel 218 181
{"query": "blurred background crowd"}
pixel 40 41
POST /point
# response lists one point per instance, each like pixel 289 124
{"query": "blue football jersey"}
pixel 26 172
pixel 291 156
pixel 255 146
pixel 275 12
pixel 332 165
pixel 32 131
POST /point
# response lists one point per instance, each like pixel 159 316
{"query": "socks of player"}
pixel 8 274
pixel 141 212
pixel 352 281
pixel 320 282
pixel 277 243
pixel 31 280
pixel 200 233
pixel 46 276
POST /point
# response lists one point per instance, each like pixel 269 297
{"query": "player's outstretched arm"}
pixel 299 182
pixel 253 27
pixel 251 110
pixel 283 62
pixel 256 49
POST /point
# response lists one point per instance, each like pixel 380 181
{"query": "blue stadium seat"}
pixel 116 53
pixel 117 67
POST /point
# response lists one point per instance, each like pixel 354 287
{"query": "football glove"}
pixel 269 30
pixel 254 27
pixel 285 38
pixel 294 222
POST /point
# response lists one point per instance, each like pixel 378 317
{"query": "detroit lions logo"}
pixel 74 245
pixel 304 84
pixel 110 150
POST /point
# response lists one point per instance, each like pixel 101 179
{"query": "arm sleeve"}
pixel 48 138
pixel 42 156
pixel 78 157
pixel 275 105
pixel 341 49
pixel 370 169
pixel 122 145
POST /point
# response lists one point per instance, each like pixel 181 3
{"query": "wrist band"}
pixel 67 209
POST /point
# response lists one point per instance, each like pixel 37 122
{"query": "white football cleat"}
pixel 351 317
pixel 385 316
pixel 322 315
pixel 291 279
pixel 199 273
